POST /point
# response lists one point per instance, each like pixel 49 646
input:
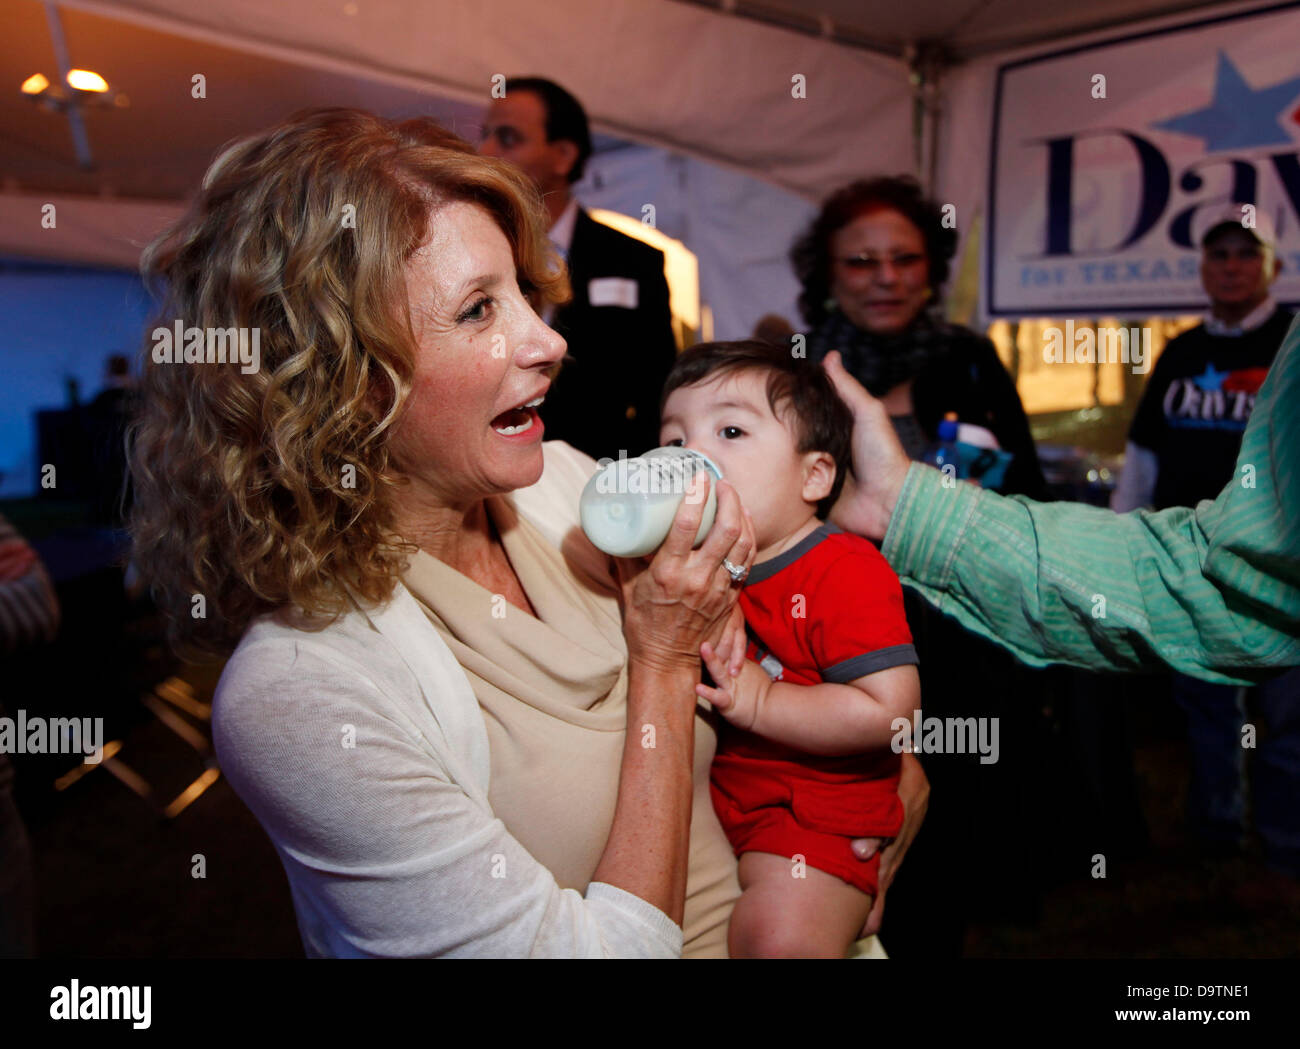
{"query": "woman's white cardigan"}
pixel 362 751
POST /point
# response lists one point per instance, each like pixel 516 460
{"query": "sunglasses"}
pixel 871 264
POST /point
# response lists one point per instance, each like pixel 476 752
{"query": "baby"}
pixel 804 764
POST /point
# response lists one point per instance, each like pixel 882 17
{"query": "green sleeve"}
pixel 1213 592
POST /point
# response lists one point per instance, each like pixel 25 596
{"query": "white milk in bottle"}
pixel 627 508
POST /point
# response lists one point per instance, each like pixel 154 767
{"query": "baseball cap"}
pixel 1214 220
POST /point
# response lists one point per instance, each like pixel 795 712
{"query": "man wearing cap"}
pixel 1182 448
pixel 618 325
pixel 1187 430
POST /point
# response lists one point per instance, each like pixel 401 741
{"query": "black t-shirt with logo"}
pixel 1196 406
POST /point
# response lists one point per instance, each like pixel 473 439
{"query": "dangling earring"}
pixel 830 305
pixel 929 292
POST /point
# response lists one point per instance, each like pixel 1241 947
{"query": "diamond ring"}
pixel 737 572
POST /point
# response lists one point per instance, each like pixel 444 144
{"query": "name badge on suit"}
pixel 613 291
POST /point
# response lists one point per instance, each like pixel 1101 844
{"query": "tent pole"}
pixel 80 140
pixel 925 63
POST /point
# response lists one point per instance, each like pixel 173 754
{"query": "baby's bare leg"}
pixel 781 916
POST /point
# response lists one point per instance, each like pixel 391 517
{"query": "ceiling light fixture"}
pixel 85 80
pixel 85 88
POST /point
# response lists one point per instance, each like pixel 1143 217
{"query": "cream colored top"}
pixel 360 747
pixel 364 753
pixel 553 690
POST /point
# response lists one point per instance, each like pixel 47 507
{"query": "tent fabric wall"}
pixel 84 230
pixel 739 227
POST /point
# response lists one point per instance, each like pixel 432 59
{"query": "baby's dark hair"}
pixel 822 422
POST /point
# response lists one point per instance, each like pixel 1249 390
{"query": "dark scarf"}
pixel 881 362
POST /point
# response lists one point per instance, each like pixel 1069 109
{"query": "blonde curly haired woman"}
pixel 440 694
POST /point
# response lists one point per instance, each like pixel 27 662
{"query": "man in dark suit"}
pixel 618 325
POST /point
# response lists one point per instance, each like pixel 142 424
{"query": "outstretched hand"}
pixel 879 462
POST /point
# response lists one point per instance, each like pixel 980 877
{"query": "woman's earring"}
pixel 830 305
pixel 929 292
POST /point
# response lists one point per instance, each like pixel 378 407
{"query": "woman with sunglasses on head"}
pixel 872 266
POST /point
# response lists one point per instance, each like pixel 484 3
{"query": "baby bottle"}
pixel 627 508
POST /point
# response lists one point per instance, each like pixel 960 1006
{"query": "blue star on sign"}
pixel 1211 379
pixel 1239 116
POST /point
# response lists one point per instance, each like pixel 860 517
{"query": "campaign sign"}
pixel 1108 159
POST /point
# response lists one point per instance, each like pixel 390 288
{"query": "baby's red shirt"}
pixel 828 609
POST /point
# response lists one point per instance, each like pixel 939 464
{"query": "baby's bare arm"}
pixel 833 719
pixel 826 719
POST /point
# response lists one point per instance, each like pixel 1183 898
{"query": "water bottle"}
pixel 977 437
pixel 944 453
pixel 628 506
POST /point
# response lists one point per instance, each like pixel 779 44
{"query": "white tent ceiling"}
pixel 962 29
pixel 708 78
